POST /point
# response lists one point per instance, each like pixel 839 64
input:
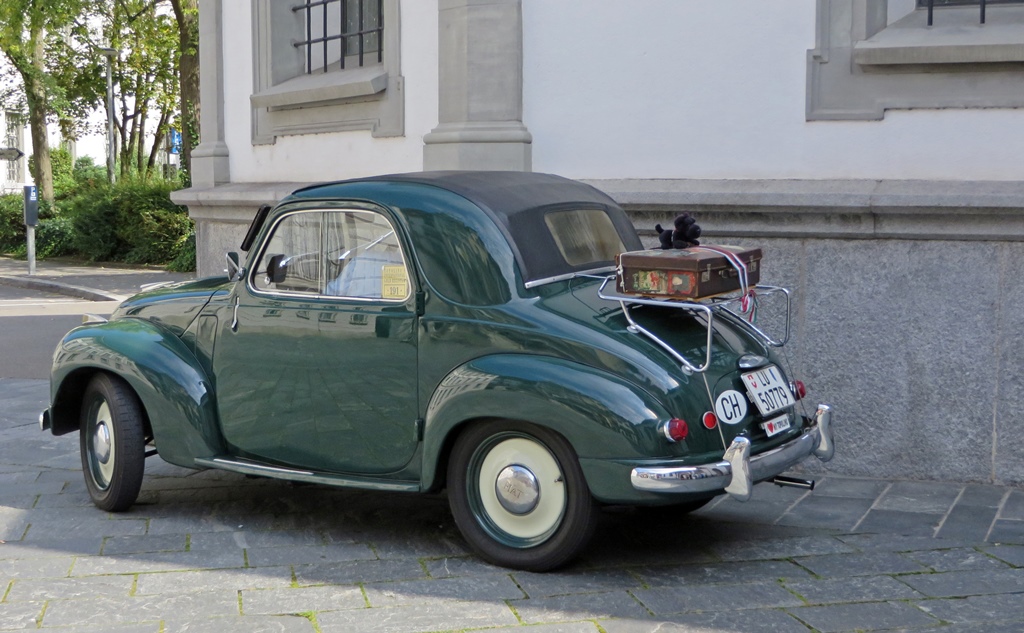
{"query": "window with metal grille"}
pixel 981 4
pixel 12 138
pixel 341 33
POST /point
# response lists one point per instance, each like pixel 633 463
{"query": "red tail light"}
pixel 799 389
pixel 675 430
pixel 710 420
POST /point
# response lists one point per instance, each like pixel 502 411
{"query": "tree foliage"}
pixel 47 46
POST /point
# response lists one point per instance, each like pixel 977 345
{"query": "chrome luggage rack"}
pixel 708 307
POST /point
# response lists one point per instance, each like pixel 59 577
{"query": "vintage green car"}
pixel 425 331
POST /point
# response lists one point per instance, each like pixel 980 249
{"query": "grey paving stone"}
pixel 898 522
pixel 559 627
pixel 860 564
pixel 761 621
pixel 144 544
pixel 1013 554
pixel 865 616
pixel 968 522
pixel 139 627
pixel 956 560
pixel 203 541
pixel 55 567
pixel 359 572
pixel 754 595
pixel 100 610
pixel 967 583
pixel 301 600
pixel 1007 531
pixel 574 581
pixel 477 588
pixel 837 513
pixel 591 606
pixel 901 543
pixel 1015 626
pixel 70 546
pixel 1014 506
pixel 766 549
pixel 32 489
pixel 20 477
pixel 189 524
pixel 980 496
pixel 996 608
pixel 70 588
pixel 242 624
pixel 418 545
pixel 20 615
pixel 449 567
pixel 163 561
pixel 213 580
pixel 753 511
pixel 720 573
pixel 919 496
pixel 853 589
pixel 19 502
pixel 48 529
pixel 416 619
pixel 308 554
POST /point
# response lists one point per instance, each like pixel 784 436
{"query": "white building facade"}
pixel 876 159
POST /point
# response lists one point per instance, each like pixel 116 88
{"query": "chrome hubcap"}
pixel 101 443
pixel 517 489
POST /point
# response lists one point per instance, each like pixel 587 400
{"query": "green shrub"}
pixel 133 221
pixel 12 222
pixel 55 237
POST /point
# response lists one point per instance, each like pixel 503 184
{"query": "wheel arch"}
pixel 598 414
pixel 176 395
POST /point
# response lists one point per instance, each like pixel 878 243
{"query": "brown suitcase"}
pixel 689 273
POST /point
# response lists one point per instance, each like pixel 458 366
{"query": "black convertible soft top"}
pixel 518 202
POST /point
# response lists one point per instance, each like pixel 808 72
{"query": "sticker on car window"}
pixel 394 282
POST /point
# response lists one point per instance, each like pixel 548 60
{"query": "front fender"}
pixel 601 415
pixel 175 392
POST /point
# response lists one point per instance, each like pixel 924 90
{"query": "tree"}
pixel 33 33
pixel 145 72
pixel 186 13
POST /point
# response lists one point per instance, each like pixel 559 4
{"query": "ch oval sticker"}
pixel 731 407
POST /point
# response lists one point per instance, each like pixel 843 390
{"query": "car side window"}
pixel 291 261
pixel 350 253
pixel 364 257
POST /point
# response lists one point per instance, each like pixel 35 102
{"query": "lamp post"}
pixel 109 54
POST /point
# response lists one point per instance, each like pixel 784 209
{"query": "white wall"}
pixel 320 157
pixel 716 89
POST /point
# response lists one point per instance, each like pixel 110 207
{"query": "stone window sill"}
pixel 956 37
pixel 323 89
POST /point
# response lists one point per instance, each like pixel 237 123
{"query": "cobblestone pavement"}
pixel 218 552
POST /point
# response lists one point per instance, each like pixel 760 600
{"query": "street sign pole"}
pixel 31 220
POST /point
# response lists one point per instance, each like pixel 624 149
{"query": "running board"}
pixel 290 474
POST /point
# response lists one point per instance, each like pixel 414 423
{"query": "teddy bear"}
pixel 684 235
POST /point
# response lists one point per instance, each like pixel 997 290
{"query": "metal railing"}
pixel 982 6
pixel 366 38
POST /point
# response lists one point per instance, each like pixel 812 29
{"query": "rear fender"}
pixel 601 415
pixel 175 392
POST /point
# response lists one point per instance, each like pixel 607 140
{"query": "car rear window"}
pixel 584 236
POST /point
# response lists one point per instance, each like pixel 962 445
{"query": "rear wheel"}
pixel 112 443
pixel 519 496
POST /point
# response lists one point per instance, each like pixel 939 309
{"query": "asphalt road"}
pixel 31 324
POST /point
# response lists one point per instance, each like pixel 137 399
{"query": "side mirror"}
pixel 234 269
pixel 277 269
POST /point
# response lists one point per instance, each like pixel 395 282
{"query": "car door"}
pixel 316 365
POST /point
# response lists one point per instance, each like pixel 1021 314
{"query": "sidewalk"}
pixel 218 552
pixel 81 280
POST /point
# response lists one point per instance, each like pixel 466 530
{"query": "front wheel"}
pixel 112 443
pixel 519 496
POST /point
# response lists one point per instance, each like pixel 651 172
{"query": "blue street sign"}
pixel 175 141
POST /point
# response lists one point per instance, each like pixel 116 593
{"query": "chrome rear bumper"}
pixel 737 472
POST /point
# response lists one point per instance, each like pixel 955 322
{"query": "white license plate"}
pixel 776 426
pixel 767 390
